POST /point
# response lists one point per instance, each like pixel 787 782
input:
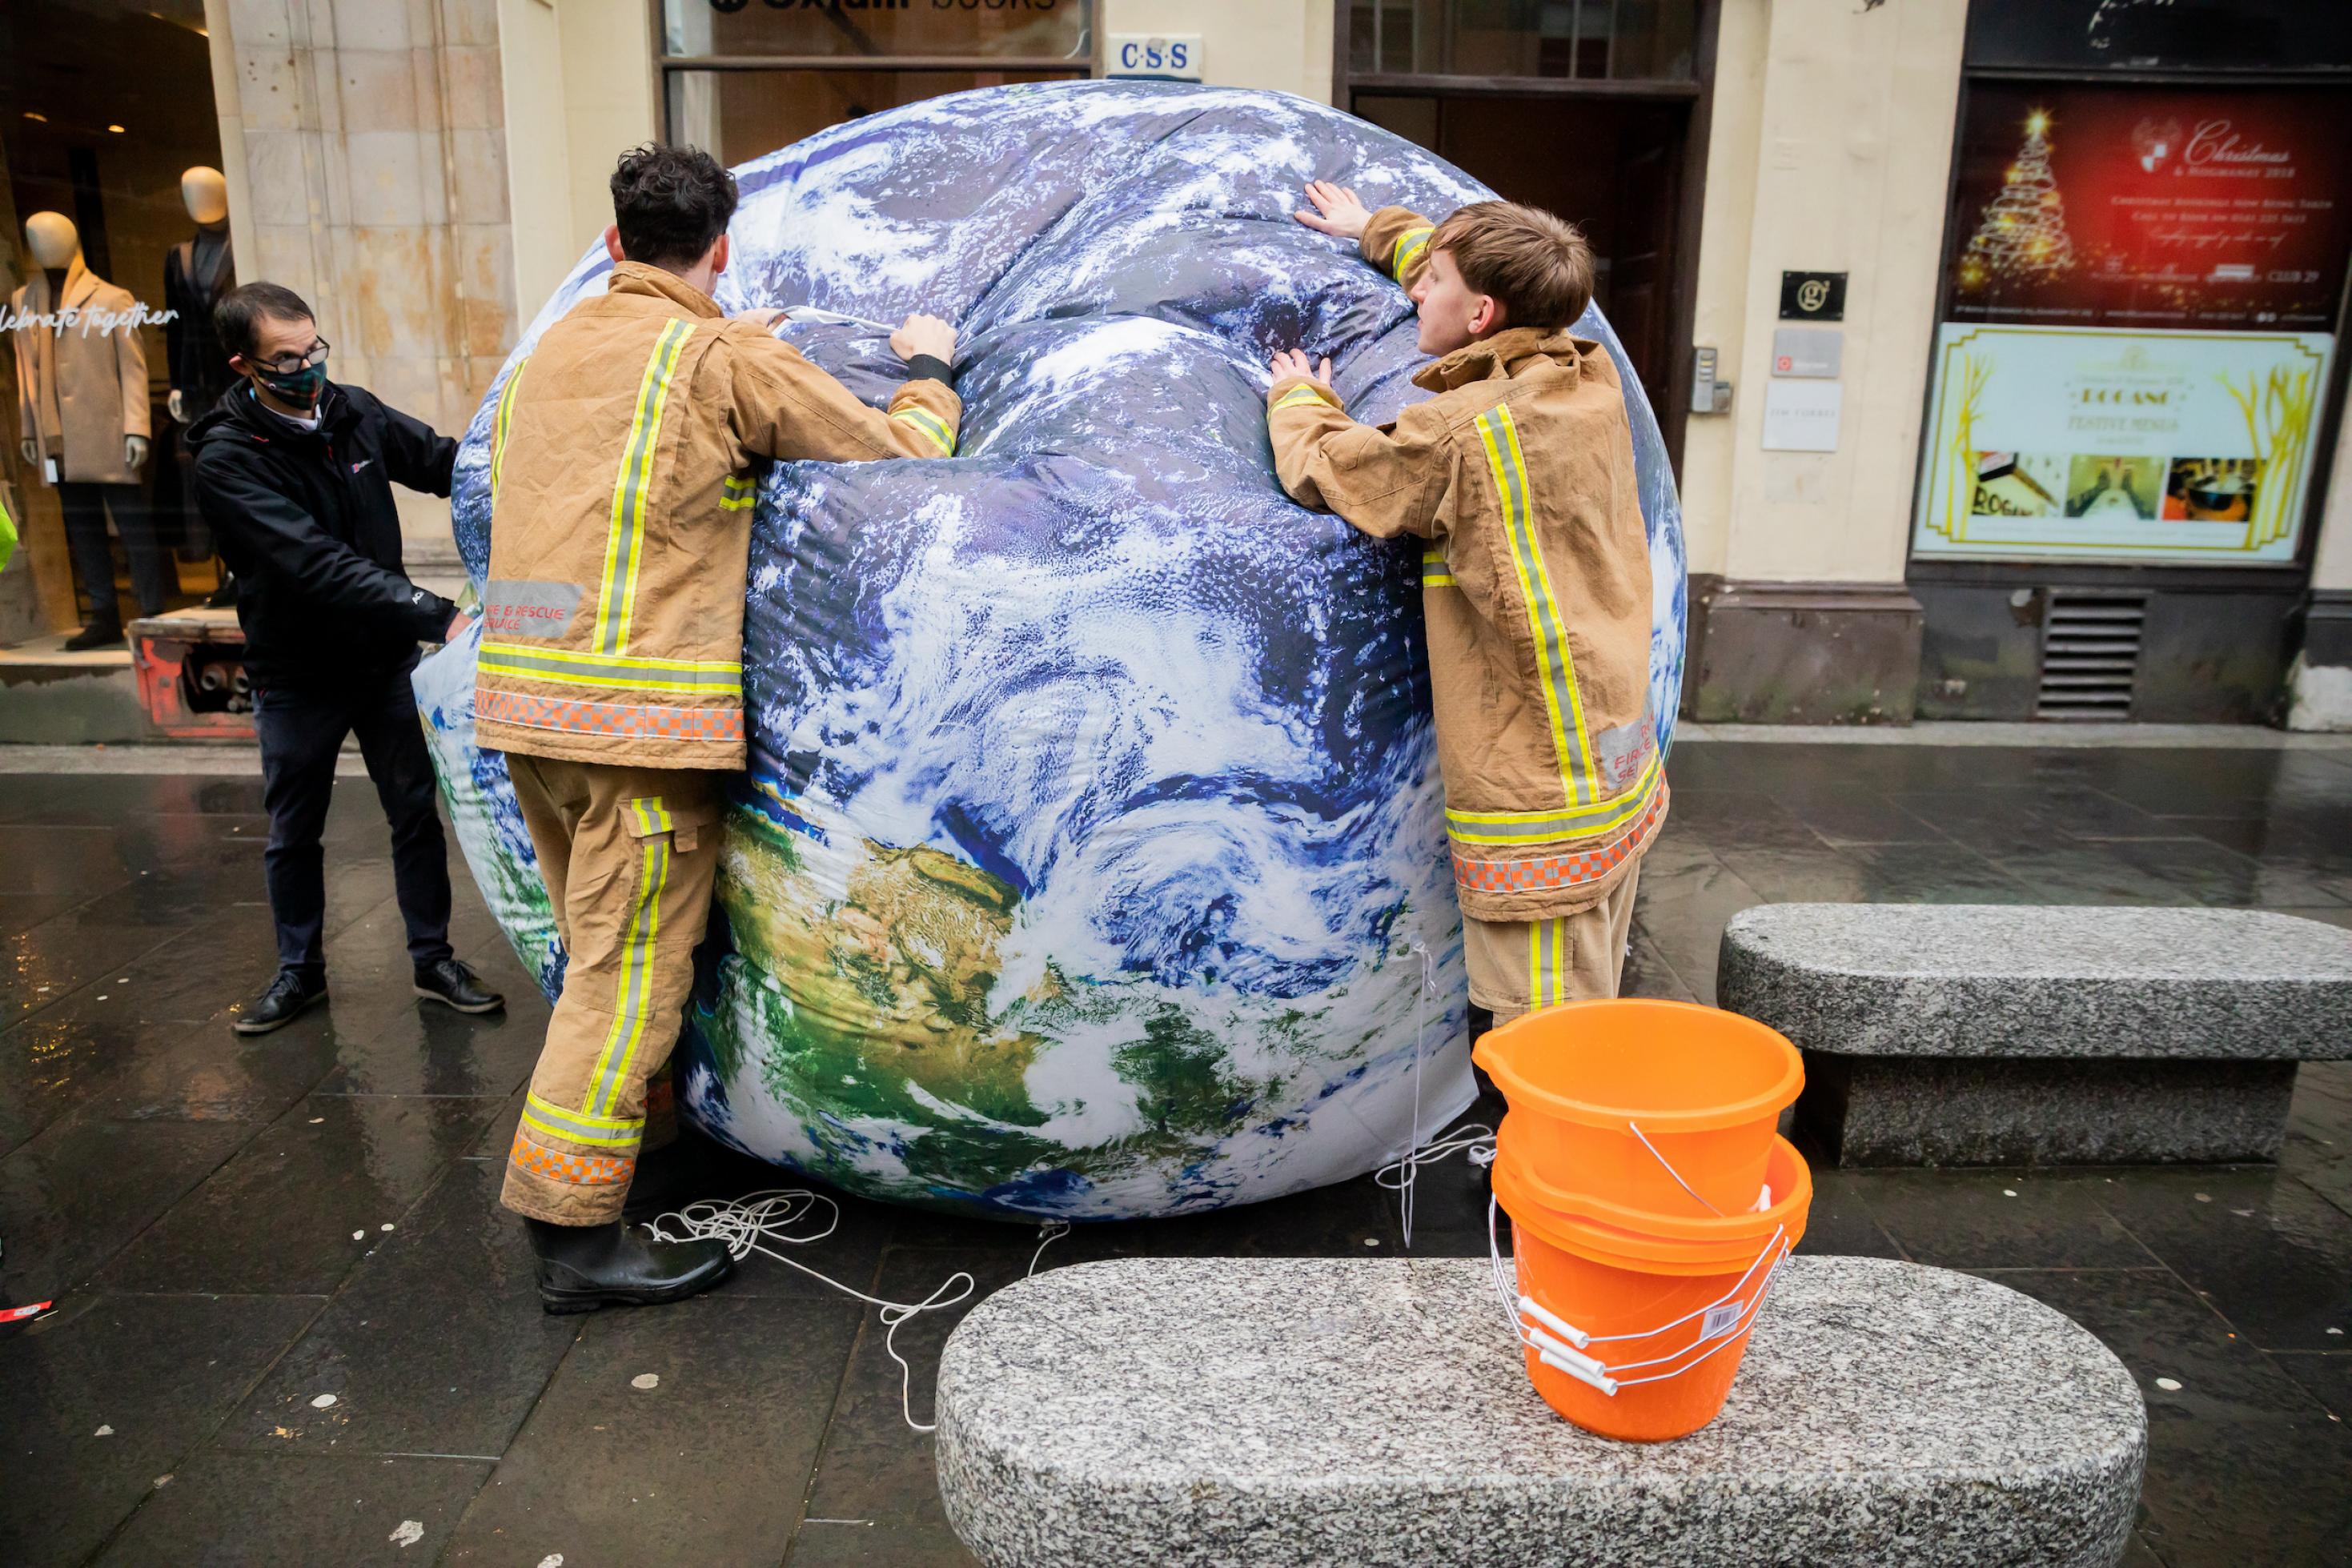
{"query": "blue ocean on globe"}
pixel 1090 864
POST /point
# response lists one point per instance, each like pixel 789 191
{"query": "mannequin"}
pixel 197 273
pixel 81 413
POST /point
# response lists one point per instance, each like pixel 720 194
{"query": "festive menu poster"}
pixel 2153 207
pixel 2085 443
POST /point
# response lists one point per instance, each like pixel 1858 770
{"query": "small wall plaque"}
pixel 1812 296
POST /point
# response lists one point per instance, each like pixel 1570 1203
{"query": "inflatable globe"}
pixel 1090 862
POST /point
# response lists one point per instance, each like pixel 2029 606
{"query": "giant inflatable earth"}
pixel 1090 862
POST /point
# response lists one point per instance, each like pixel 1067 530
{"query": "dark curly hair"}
pixel 670 204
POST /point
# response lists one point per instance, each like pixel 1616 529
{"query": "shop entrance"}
pixel 1589 109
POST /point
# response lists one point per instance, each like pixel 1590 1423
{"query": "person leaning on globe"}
pixel 1535 577
pixel 611 673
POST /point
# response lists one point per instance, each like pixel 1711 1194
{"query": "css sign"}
pixel 1154 57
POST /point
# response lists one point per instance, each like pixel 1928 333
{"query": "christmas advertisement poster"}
pixel 2085 443
pixel 2153 207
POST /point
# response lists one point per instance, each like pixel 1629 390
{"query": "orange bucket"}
pixel 1663 1319
pixel 1589 1082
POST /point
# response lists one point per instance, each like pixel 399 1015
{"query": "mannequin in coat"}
pixel 81 408
pixel 197 273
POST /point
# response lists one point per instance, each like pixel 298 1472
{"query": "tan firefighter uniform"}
pixel 612 670
pixel 1518 472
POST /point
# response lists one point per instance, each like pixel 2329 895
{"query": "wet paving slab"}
pixel 245 1366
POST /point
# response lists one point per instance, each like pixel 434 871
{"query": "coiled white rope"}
pixel 750 1223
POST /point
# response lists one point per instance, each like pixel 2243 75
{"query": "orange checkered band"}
pixel 634 720
pixel 1548 873
pixel 575 1170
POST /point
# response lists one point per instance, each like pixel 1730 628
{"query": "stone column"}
pixel 364 145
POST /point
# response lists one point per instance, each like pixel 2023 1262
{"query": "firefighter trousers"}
pixel 629 856
pixel 1519 966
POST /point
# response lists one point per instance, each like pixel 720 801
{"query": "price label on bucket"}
pixel 1720 1319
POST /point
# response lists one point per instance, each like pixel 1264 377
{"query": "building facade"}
pixel 1995 339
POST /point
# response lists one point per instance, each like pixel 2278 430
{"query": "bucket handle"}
pixel 1569 1359
pixel 1662 1159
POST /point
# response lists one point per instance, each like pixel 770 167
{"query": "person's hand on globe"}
pixel 1295 362
pixel 1337 211
pixel 766 319
pixel 921 334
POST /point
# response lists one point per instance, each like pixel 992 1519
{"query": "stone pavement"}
pixel 293 1326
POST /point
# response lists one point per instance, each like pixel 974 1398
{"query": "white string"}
pixel 746 1222
pixel 1053 1230
pixel 1399 1176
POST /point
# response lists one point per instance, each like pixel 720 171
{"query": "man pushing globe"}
pixel 1090 858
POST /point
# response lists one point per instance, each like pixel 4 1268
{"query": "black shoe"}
pixel 584 1267
pixel 450 983
pixel 97 634
pixel 224 596
pixel 289 996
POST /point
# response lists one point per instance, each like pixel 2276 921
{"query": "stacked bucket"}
pixel 1651 1201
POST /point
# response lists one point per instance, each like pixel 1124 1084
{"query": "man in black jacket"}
pixel 294 475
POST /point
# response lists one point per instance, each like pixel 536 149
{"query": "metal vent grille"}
pixel 2090 653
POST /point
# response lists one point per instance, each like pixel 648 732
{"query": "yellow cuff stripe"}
pixel 1298 396
pixel 1408 246
pixel 930 424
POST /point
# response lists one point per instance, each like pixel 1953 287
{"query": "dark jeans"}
pixel 153 578
pixel 300 731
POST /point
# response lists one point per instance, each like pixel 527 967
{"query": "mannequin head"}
pixel 52 238
pixel 206 192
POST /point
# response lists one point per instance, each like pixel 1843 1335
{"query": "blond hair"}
pixel 1538 266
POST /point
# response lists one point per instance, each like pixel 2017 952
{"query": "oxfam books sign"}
pixel 1090 862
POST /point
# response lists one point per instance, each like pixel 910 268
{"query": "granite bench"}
pixel 2001 1034
pixel 1367 1413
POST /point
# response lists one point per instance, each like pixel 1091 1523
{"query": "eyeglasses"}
pixel 288 364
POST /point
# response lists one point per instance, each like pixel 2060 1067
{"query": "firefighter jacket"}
pixel 1517 478
pixel 622 483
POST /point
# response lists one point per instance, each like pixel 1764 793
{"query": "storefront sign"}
pixel 1806 352
pixel 1812 296
pixel 2142 286
pixel 1155 57
pixel 2074 443
pixel 2163 207
pixel 1802 416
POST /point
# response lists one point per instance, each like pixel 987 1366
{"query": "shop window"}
pixel 1593 39
pixel 743 114
pixel 1030 30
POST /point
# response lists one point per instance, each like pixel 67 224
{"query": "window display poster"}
pixel 2152 206
pixel 2083 443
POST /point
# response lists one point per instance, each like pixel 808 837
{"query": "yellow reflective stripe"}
pixel 626 538
pixel 1298 395
pixel 1591 776
pixel 930 424
pixel 1560 701
pixel 707 687
pixel 1534 962
pixel 651 816
pixel 739 495
pixel 623 661
pixel 1408 246
pixel 1437 580
pixel 633 999
pixel 1435 572
pixel 499 424
pixel 578 1126
pixel 1543 827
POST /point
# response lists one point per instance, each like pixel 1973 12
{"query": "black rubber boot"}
pixel 584 1267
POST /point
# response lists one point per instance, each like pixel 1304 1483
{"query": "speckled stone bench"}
pixel 1371 1413
pixel 2001 1034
